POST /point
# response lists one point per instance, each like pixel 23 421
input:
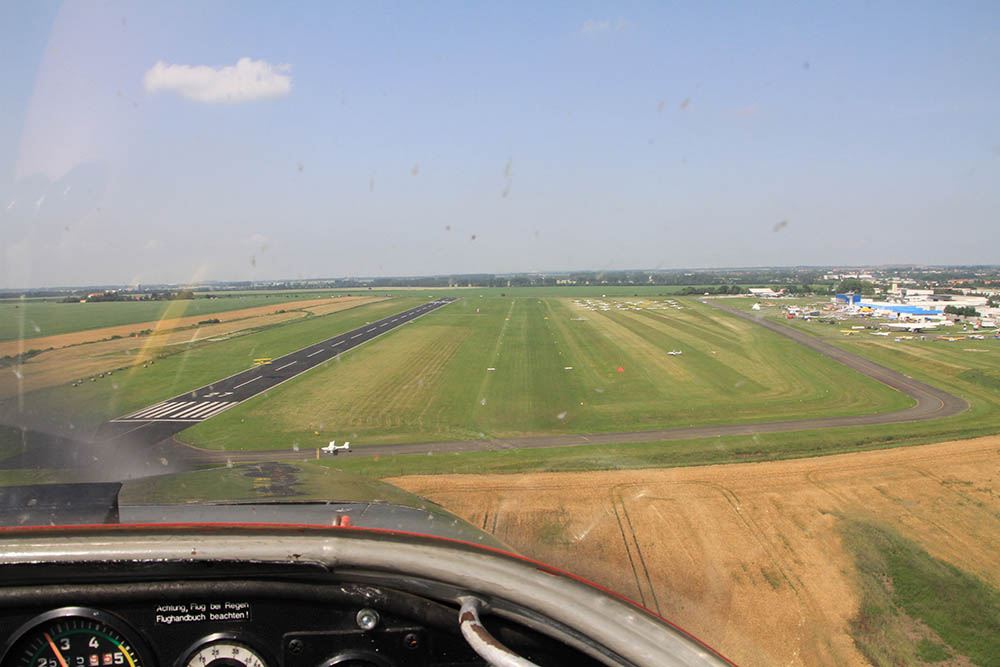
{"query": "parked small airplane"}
pixel 674 353
pixel 913 327
pixel 333 447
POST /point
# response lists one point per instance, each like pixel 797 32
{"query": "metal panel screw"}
pixel 367 619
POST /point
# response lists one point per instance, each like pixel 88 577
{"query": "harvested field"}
pixel 745 556
pixel 316 306
pixel 66 364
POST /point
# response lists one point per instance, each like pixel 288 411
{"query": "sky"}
pixel 248 141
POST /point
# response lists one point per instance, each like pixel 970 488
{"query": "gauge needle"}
pixel 62 660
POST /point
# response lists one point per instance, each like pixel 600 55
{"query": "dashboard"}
pixel 245 622
pixel 263 595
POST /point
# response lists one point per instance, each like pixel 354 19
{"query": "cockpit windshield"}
pixel 696 301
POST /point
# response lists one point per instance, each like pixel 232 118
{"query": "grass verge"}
pixel 758 448
pixel 914 607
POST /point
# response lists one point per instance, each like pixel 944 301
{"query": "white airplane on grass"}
pixel 333 447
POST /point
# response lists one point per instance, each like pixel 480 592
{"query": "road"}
pixel 931 403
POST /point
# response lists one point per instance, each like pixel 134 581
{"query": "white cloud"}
pixel 248 80
pixel 594 27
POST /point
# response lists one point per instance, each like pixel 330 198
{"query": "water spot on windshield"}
pixel 416 169
pixel 685 103
pixel 778 226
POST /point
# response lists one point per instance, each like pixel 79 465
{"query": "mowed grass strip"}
pixel 188 367
pixel 553 372
pixel 973 376
pixel 428 371
pixel 365 390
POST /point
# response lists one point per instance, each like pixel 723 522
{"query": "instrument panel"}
pixel 245 623
pixel 223 632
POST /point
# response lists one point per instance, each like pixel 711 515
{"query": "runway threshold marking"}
pixel 182 411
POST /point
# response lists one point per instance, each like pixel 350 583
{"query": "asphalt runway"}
pixel 173 415
pixel 931 403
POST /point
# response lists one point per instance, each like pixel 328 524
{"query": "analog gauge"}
pixel 75 637
pixel 223 651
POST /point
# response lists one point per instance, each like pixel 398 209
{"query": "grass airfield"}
pixel 513 366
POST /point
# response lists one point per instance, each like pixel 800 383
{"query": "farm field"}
pixel 180 368
pixel 315 306
pixel 754 558
pixel 504 367
pixel 79 361
pixel 33 319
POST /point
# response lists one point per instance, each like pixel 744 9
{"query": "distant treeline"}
pixel 777 277
pixel 130 296
pixel 967 311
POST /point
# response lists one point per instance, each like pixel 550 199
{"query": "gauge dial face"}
pixel 74 638
pixel 224 653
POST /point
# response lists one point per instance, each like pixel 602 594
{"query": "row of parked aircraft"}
pixel 913 327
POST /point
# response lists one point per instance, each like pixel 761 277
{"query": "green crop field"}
pixel 187 368
pixel 556 371
pixel 32 319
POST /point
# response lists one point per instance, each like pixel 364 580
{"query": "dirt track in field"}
pixel 67 364
pixel 317 306
pixel 745 556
